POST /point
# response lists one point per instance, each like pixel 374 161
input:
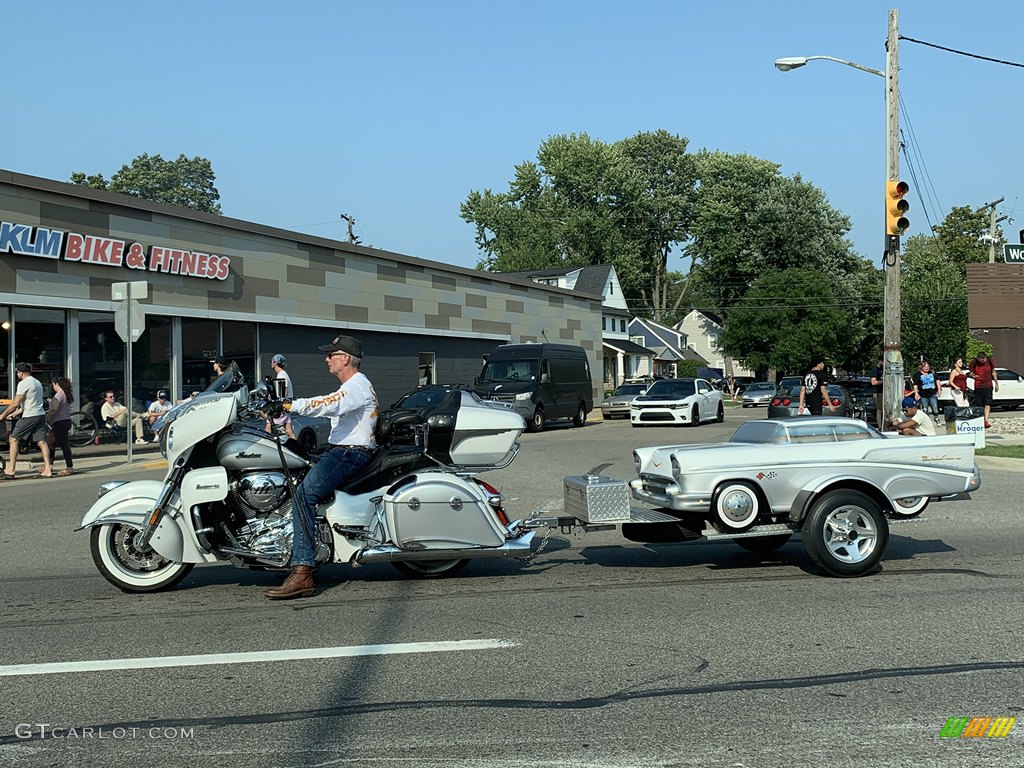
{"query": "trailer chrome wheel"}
pixel 910 507
pixel 129 567
pixel 736 506
pixel 845 533
pixel 430 569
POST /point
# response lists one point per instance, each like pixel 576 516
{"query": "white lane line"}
pixel 104 665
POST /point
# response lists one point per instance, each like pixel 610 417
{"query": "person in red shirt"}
pixel 983 371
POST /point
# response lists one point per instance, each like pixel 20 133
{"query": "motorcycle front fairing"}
pixel 132 503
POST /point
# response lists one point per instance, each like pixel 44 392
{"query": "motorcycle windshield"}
pixel 223 383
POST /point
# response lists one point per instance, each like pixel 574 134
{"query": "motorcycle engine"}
pixel 263 518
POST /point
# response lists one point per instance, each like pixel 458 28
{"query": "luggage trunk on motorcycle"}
pixel 466 432
pixel 436 510
pixel 597 499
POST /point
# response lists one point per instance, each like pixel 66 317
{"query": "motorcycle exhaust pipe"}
pixel 389 553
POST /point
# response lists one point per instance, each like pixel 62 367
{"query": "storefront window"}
pixel 199 341
pixel 39 340
pixel 5 353
pixel 151 361
pixel 240 346
pixel 100 358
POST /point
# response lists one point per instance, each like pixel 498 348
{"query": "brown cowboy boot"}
pixel 298 584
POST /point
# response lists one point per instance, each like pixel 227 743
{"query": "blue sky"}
pixel 393 112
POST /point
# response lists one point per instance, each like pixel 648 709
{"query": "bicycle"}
pixel 83 429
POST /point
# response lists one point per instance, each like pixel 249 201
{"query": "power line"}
pixel 962 53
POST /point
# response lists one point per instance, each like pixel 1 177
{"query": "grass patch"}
pixel 1004 451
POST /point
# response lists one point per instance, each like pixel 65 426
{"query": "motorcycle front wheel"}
pixel 430 569
pixel 127 566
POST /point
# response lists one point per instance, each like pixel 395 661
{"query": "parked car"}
pixel 863 393
pixel 833 479
pixel 616 405
pixel 787 402
pixel 740 383
pixel 541 381
pixel 757 394
pixel 1010 394
pixel 677 401
pixel 788 382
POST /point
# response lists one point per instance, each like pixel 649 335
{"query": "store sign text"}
pixel 26 240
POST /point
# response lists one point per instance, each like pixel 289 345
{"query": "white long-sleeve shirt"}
pixel 352 410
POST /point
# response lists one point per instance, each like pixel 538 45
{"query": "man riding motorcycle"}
pixel 352 409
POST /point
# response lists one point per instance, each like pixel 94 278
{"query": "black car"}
pixel 863 393
pixel 787 402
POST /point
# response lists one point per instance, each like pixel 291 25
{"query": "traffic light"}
pixel 896 207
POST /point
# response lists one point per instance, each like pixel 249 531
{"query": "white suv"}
pixel 1010 394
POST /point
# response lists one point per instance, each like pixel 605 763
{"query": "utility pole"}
pixel 892 378
pixel 992 221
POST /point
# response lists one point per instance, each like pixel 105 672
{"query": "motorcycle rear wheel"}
pixel 430 569
pixel 128 567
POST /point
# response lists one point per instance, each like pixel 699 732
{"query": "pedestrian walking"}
pixel 32 424
pixel 957 383
pixel 58 416
pixel 814 389
pixel 927 387
pixel 986 382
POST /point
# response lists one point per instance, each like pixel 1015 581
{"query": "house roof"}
pixel 669 350
pixel 627 347
pixel 592 279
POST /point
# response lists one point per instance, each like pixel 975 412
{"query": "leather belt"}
pixel 354 447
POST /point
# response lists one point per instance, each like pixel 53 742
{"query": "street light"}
pixel 788 63
pixel 892 380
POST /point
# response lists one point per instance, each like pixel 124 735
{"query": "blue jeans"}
pixel 930 403
pixel 335 467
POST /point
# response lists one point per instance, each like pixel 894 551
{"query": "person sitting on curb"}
pixel 113 413
pixel 158 408
pixel 918 423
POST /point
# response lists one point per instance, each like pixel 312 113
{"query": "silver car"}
pixel 835 479
pixel 757 394
pixel 616 405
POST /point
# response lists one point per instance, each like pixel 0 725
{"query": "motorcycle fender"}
pixel 131 504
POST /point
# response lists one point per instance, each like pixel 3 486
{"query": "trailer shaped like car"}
pixel 834 480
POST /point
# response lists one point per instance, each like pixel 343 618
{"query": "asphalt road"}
pixel 601 652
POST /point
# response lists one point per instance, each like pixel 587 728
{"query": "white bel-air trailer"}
pixel 834 480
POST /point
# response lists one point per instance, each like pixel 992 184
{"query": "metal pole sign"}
pixel 1013 254
pixel 130 323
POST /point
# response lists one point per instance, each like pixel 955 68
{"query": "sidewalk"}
pixel 96 457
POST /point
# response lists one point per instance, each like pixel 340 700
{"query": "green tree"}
pixel 960 235
pixel 933 289
pixel 752 221
pixel 786 317
pixel 188 182
pixel 629 204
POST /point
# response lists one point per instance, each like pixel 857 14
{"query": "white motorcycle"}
pixel 229 485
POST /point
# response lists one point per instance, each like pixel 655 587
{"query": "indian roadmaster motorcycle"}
pixel 228 494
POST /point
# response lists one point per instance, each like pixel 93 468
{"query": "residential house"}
pixel 703 330
pixel 668 344
pixel 622 357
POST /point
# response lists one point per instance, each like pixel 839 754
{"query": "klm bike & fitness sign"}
pixel 28 240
